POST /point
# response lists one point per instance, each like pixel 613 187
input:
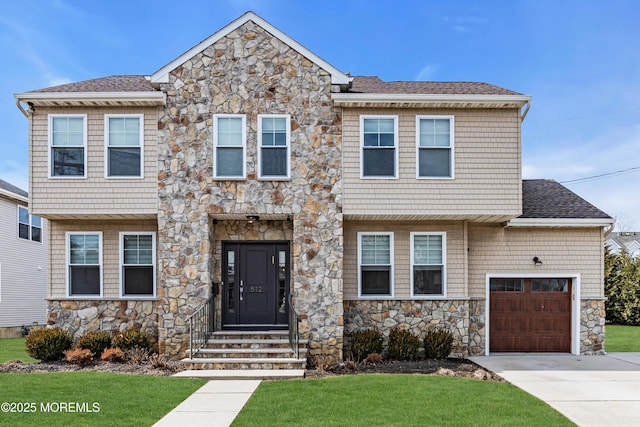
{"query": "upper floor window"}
pixel 68 145
pixel 229 142
pixel 137 264
pixel 428 264
pixel 84 264
pixel 29 226
pixel 274 134
pixel 123 145
pixel 434 146
pixel 379 146
pixel 375 264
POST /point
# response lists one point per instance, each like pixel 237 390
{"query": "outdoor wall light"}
pixel 537 261
pixel 252 218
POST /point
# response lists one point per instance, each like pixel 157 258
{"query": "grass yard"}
pixel 622 338
pixel 123 400
pixel 394 400
pixel 13 349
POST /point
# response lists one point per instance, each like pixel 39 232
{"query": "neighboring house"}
pixel 23 263
pixel 624 241
pixel 251 164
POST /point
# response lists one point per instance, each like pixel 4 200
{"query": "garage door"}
pixel 530 315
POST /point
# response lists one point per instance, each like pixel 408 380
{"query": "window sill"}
pixel 90 298
pixel 124 177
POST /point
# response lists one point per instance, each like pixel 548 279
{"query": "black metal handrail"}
pixel 201 325
pixel 294 320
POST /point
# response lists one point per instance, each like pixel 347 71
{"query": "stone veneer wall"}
pixel 463 318
pixel 592 321
pixel 249 72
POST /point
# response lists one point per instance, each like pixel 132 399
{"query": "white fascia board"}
pixel 151 96
pixel 13 196
pixel 162 75
pixel 385 98
pixel 560 222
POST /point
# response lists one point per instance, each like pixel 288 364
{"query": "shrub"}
pixel 373 359
pixel 622 288
pixel 78 356
pixel 48 344
pixel 403 344
pixel 365 342
pixel 158 360
pixel 137 355
pixel 132 337
pixel 438 344
pixel 112 355
pixel 96 341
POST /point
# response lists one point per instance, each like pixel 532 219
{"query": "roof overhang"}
pixel 560 222
pixel 392 100
pixel 92 99
pixel 13 196
pixel 162 75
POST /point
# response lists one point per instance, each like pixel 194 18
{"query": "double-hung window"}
pixel 434 146
pixel 274 146
pixel 379 146
pixel 68 145
pixel 428 264
pixel 229 142
pixel 29 226
pixel 375 264
pixel 137 264
pixel 123 146
pixel 84 264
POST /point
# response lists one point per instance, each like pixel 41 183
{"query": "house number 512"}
pixel 255 289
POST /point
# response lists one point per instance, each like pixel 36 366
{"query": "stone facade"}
pixel 249 72
pixel 463 318
pixel 592 321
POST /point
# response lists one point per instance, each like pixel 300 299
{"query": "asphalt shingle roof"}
pixel 130 83
pixel 545 198
pixel 13 189
pixel 373 84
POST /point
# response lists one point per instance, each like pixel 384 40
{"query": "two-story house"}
pixel 251 171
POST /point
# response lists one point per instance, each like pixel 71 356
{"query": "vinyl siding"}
pixel 23 271
pixel 110 252
pixel 95 194
pixel 487 168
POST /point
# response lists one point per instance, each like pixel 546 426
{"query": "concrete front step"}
pixel 243 363
pixel 242 374
pixel 248 353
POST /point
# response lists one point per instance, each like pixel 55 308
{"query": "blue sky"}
pixel 578 59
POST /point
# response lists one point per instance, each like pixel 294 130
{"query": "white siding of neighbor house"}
pixel 23 271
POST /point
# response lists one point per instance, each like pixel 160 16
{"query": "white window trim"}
pixel 107 146
pixel 451 147
pixel 391 259
pixel 50 139
pixel 68 260
pixel 396 143
pixel 244 146
pixel 286 177
pixel 444 263
pixel 121 262
pixel 30 239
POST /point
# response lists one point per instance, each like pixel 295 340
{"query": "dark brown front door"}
pixel 530 315
pixel 255 285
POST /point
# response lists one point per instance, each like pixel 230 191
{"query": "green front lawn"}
pixel 90 398
pixel 622 338
pixel 394 400
pixel 13 349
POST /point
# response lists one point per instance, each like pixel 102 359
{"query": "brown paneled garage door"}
pixel 530 315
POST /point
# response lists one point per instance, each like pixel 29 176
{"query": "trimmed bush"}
pixel 365 342
pixel 48 344
pixel 438 344
pixel 130 338
pixel 112 355
pixel 95 341
pixel 78 356
pixel 403 344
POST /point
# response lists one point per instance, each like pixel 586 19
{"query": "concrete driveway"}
pixel 589 390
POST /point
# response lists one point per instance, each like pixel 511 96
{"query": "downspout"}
pixel 21 108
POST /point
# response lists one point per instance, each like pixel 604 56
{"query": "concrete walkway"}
pixel 589 390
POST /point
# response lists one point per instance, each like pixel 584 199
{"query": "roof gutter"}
pixel 150 97
pixel 13 196
pixel 21 108
pixel 560 222
pixel 344 99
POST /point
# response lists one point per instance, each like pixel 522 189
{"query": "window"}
pixel 229 136
pixel 273 139
pixel 434 146
pixel 506 285
pixel 29 226
pixel 123 136
pixel 84 262
pixel 137 264
pixel 428 262
pixel 375 259
pixel 68 143
pixel 378 136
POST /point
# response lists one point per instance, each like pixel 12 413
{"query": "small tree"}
pixel 622 288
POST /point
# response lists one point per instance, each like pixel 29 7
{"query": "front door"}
pixel 255 285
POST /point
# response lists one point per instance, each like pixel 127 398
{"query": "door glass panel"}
pixel 282 279
pixel 231 281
